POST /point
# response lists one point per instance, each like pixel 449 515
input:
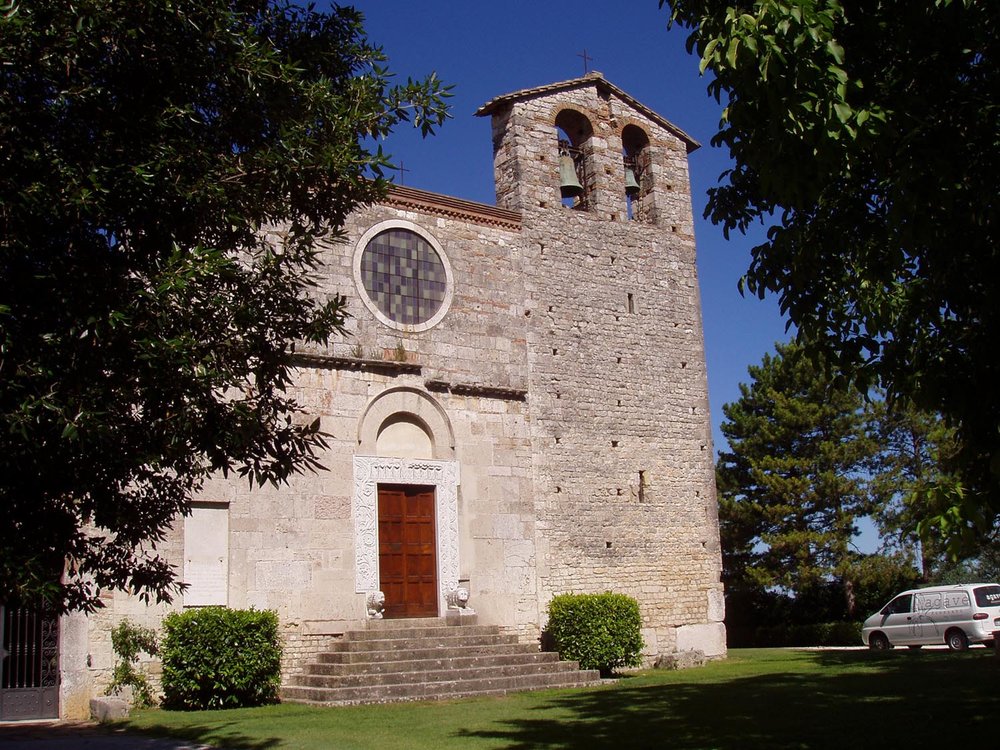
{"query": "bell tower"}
pixel 586 145
pixel 622 468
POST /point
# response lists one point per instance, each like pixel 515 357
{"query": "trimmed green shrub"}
pixel 128 641
pixel 601 631
pixel 216 657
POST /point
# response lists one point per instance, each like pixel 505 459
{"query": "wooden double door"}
pixel 407 550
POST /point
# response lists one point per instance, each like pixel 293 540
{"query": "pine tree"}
pixel 793 484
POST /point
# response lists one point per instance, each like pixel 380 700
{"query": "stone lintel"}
pixel 477 389
pixel 382 366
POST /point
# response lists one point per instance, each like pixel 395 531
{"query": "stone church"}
pixel 521 409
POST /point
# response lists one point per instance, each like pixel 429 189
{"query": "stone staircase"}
pixel 425 659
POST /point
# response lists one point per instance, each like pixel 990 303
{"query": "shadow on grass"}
pixel 226 735
pixel 856 700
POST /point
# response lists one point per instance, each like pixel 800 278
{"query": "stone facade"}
pixel 557 405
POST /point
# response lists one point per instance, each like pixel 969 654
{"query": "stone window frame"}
pixel 359 250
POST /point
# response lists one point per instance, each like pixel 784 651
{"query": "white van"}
pixel 956 615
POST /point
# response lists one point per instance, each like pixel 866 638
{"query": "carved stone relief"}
pixel 443 476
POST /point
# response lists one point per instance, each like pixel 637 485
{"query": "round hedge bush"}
pixel 601 631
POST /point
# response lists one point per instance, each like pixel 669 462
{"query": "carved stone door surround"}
pixel 369 471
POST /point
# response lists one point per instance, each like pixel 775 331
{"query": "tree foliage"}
pixel 165 169
pixel 868 136
pixel 793 484
pixel 914 446
pixel 808 458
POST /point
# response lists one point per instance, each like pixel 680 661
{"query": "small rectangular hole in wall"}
pixel 614 443
pixel 607 545
pixel 620 492
pixel 631 303
pixel 613 260
pixel 551 308
pixel 673 229
pixel 554 350
pixel 557 441
pixel 642 486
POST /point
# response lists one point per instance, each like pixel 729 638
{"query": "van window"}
pixel 899 605
pixel 987 596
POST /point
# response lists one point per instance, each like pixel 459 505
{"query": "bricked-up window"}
pixel 404 276
pixel 206 555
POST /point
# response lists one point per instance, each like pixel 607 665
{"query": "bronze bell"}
pixel 631 184
pixel 569 183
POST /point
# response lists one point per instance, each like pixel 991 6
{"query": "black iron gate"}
pixel 29 676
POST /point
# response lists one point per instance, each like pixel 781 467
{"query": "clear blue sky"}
pixel 487 49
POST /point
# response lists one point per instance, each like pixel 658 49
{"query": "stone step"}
pixel 431 652
pixel 448 674
pixel 442 640
pixel 442 662
pixel 403 660
pixel 438 690
pixel 441 631
pixel 408 622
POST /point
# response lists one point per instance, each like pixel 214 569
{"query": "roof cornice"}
pixel 596 79
pixel 450 207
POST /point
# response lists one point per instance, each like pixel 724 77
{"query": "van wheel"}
pixel 956 640
pixel 878 642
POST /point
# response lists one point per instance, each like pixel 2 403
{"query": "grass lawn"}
pixel 758 698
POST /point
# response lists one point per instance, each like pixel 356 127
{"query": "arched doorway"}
pixel 405 504
pixel 407 538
